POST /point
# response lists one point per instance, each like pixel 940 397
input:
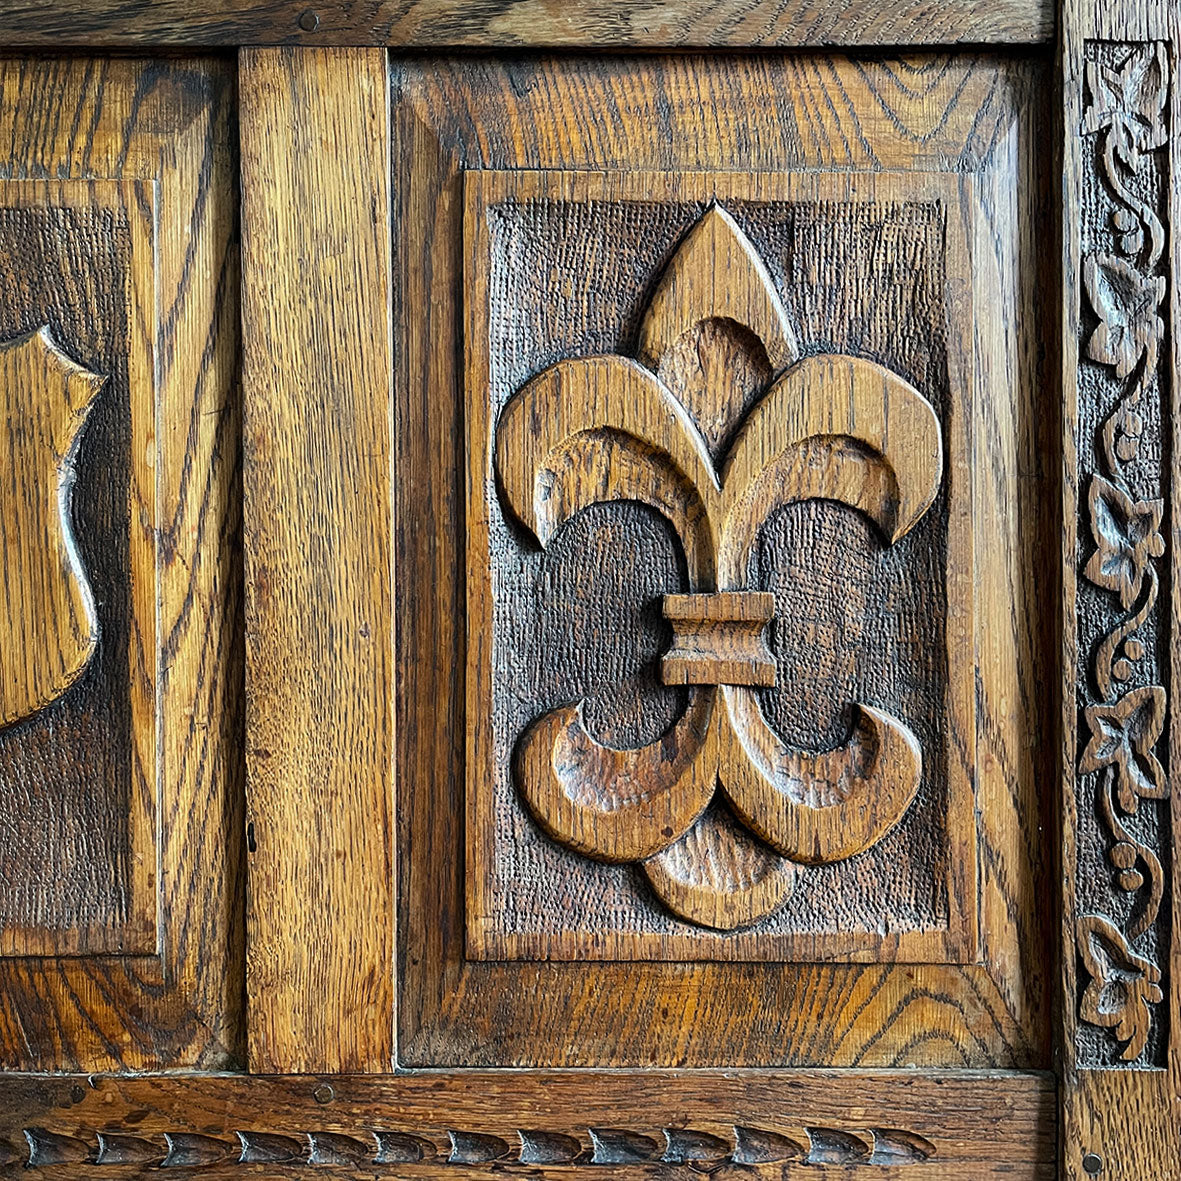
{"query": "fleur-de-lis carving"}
pixel 614 428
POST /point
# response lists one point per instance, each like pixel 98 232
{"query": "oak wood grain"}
pixel 786 1126
pixel 490 24
pixel 478 113
pixel 316 374
pixel 79 756
pixel 167 125
pixel 1121 429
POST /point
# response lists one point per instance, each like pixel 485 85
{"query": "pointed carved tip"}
pixel 716 273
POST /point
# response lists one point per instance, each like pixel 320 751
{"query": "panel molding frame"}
pixel 447 1016
pixel 163 126
pixel 141 933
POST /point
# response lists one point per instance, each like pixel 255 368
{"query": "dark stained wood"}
pixel 550 1126
pixel 489 24
pixel 316 375
pixel 163 131
pixel 719 114
pixel 1121 365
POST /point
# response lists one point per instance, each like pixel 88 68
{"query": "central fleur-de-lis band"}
pixel 612 428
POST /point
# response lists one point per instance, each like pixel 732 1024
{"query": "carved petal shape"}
pixel 618 805
pixel 600 429
pixel 835 397
pixel 1122 985
pixel 717 875
pixel 818 808
pixel 716 274
pixel 47 613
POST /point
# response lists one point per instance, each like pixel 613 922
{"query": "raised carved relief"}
pixel 663 1150
pixel 709 433
pixel 604 428
pixel 1122 698
pixel 49 624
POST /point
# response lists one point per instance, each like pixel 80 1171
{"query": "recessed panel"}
pixel 716 437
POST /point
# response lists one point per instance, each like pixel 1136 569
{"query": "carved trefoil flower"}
pixel 1130 101
pixel 718 809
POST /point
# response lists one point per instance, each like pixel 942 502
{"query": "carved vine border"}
pixel 1123 700
pixel 604 1146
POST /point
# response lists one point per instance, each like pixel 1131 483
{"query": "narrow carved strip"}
pixel 694 1150
pixel 1123 414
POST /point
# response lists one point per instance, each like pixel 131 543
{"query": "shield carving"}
pixel 48 621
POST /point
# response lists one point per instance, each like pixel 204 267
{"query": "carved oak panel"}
pixel 720 567
pixel 77 603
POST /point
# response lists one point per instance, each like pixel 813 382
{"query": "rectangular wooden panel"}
pixel 78 773
pixel 586 23
pixel 566 142
pixel 480 1125
pixel 861 613
pixel 117 236
pixel 1120 367
pixel 316 370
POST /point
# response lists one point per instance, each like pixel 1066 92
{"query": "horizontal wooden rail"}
pixel 465 1125
pixel 492 24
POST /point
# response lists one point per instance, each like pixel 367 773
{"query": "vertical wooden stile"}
pixel 315 175
pixel 1120 509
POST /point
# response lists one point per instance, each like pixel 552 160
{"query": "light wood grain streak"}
pixel 316 373
pixel 491 24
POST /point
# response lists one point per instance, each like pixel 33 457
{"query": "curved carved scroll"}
pixel 50 628
pixel 606 428
pixel 619 805
pixel 824 807
pixel 717 875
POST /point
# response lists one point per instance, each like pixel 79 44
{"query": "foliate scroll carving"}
pixel 718 807
pixel 49 624
pixel 1123 416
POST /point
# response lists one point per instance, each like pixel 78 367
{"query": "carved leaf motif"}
pixel 47 614
pixel 1131 101
pixel 1123 736
pixel 1122 984
pixel 1126 303
pixel 1127 534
